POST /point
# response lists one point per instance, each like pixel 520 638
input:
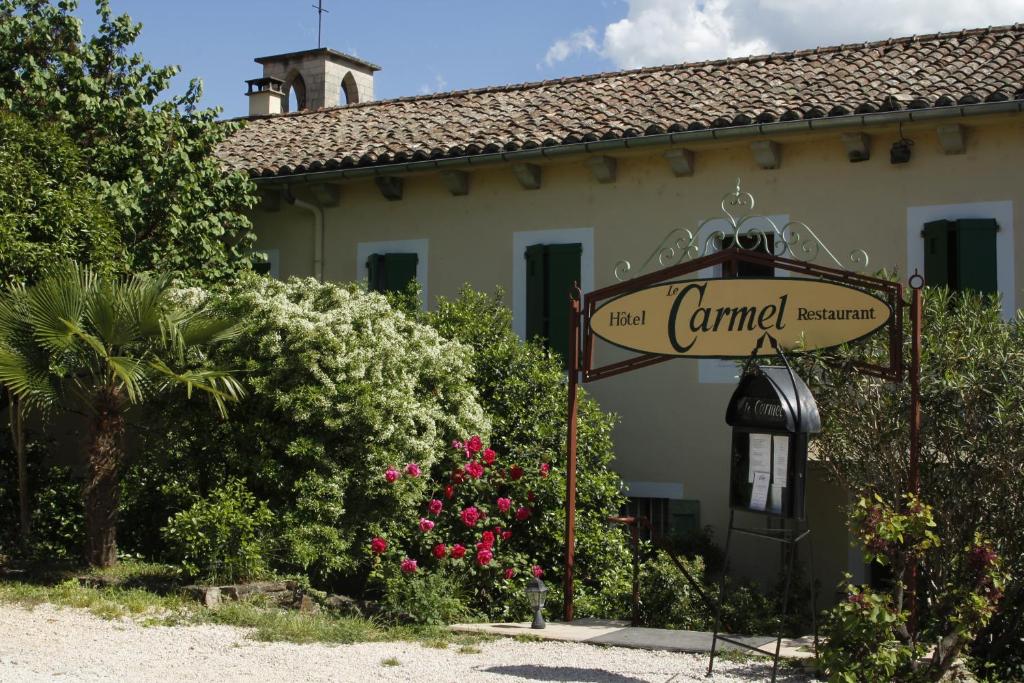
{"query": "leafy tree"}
pixel 151 161
pixel 972 441
pixel 48 210
pixel 109 343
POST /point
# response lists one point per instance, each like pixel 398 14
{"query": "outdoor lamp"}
pixel 900 152
pixel 535 593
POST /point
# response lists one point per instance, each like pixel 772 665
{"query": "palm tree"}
pixel 110 344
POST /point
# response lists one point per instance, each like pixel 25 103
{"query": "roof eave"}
pixel 662 139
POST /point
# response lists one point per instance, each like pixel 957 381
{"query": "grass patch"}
pixel 268 624
pixel 390 661
pixel 469 650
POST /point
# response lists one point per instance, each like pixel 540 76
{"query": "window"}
pixel 270 265
pixel 669 518
pixel 551 271
pixel 752 241
pixel 390 272
pixel 961 254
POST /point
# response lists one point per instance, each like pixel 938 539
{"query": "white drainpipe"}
pixel 318 232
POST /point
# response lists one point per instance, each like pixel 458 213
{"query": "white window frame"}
pixel 724 370
pixel 418 247
pixel 528 238
pixel 1001 212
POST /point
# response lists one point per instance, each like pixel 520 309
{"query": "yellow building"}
pixel 533 186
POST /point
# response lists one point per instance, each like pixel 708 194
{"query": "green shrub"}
pixel 55 496
pixel 223 538
pixel 429 598
pixel 341 386
pixel 860 641
pixel 522 387
pixel 668 600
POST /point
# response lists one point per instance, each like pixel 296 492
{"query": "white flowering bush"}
pixel 342 387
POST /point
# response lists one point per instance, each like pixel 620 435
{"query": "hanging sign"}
pixel 723 318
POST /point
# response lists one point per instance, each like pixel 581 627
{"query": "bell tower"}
pixel 319 78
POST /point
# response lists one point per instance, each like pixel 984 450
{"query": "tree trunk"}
pixel 16 417
pixel 101 486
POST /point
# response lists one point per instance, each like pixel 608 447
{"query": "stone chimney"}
pixel 319 78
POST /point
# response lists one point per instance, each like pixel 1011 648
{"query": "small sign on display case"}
pixel 772 414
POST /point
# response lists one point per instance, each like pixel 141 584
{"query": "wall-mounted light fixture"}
pixel 900 152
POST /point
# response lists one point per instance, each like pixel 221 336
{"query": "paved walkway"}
pixel 621 634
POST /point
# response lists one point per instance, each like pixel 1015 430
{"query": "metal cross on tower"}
pixel 319 7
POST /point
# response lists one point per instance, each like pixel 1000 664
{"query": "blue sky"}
pixel 422 45
pixel 435 45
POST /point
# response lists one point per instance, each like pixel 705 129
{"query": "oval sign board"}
pixel 724 318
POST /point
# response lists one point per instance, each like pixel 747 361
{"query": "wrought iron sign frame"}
pixel 679 254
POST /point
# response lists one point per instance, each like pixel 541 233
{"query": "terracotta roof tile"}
pixel 965 67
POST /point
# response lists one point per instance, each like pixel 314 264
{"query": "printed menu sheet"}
pixel 780 460
pixel 760 455
pixel 759 496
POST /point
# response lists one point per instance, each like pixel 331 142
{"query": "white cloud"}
pixel 581 41
pixel 438 85
pixel 657 32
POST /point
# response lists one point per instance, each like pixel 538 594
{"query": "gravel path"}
pixel 52 644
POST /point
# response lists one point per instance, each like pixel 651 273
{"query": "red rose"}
pixel 537 571
pixel 509 573
pixel 505 535
pixel 470 516
pixel 474 444
pixel 504 504
pixel 531 496
pixel 484 556
pixel 545 469
pixel 523 513
pixel 408 566
pixel 440 550
pixel 487 538
pixel 489 456
pixel 449 491
pixel 435 506
pixel 459 475
pixel 516 472
pixel 458 550
pixel 391 475
pixel 378 545
pixel 474 469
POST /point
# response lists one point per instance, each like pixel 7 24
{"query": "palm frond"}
pixel 57 303
pixel 132 374
pixel 221 385
pixel 27 380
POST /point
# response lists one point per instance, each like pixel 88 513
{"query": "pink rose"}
pixel 425 524
pixel 392 475
pixel 484 556
pixel 537 571
pixel 523 513
pixel 509 573
pixel 413 470
pixel 378 545
pixel 474 469
pixel 516 473
pixel 440 551
pixel 470 516
pixel 487 538
pixel 458 550
pixel 505 535
pixel 474 444
pixel 458 445
pixel 435 506
pixel 504 504
pixel 489 456
pixel 545 469
pixel 409 566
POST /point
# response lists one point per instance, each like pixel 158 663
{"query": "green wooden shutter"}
pixel 976 255
pixel 563 272
pixel 390 272
pixel 684 517
pixel 399 271
pixel 936 253
pixel 535 269
pixel 375 269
